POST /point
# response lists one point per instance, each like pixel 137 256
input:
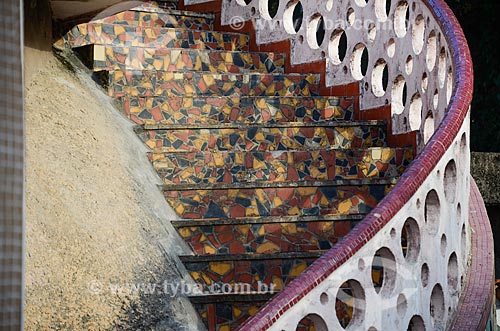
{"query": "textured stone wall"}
pixel 11 166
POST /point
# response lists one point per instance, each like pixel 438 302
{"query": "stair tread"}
pixel 231 297
pixel 165 50
pixel 176 12
pixel 249 256
pixel 350 151
pixel 339 123
pixel 221 74
pixel 264 220
pixel 251 185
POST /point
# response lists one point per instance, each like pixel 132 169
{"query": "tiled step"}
pixel 140 36
pixel 186 84
pixel 162 18
pixel 280 166
pixel 226 312
pixel 105 57
pixel 265 235
pixel 245 110
pixel 274 271
pixel 171 5
pixel 266 137
pixel 341 197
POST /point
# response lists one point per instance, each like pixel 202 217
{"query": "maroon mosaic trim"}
pixel 473 310
pixel 409 183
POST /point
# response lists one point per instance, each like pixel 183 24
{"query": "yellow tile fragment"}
pixel 278 283
pixel 221 268
pixel 252 311
pixel 267 247
pixel 207 249
pixel 294 211
pixel 345 206
pixel 184 232
pixel 298 269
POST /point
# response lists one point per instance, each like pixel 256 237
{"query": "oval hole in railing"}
pixel 292 17
pixel 359 61
pixel 430 57
pixel 416 106
pixel 398 95
pixel 380 74
pixel 350 304
pixel 400 19
pixel 417 34
pixel 337 48
pixel 416 324
pixel 312 322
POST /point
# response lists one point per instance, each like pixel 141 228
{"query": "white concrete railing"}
pixel 421 285
pixel 395 49
pixel 412 55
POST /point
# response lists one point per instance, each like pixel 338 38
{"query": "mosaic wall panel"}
pixel 164 59
pixel 272 201
pixel 256 138
pixel 275 273
pixel 219 110
pixel 162 83
pixel 159 19
pixel 226 316
pixel 158 37
pixel 265 238
pixel 287 166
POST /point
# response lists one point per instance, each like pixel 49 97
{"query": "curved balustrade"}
pixel 412 55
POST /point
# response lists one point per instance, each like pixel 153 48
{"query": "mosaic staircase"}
pixel 264 173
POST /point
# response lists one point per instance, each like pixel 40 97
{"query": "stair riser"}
pixel 157 84
pixel 264 139
pixel 226 316
pixel 123 58
pixel 146 19
pixel 138 36
pixel 301 201
pixel 256 275
pixel 187 110
pixel 265 238
pixel 237 167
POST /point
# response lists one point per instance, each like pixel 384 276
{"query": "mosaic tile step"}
pixel 140 36
pixel 226 314
pixel 247 273
pixel 235 221
pixel 280 166
pixel 246 110
pixel 294 199
pixel 161 18
pixel 189 84
pixel 105 57
pixel 265 238
pixel 271 137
